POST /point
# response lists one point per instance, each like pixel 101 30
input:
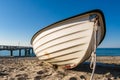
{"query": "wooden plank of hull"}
pixel 54 35
pixel 69 42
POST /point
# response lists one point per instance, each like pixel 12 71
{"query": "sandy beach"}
pixel 30 68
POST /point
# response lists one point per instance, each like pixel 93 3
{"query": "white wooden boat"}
pixel 70 42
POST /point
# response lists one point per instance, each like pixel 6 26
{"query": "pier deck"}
pixel 27 49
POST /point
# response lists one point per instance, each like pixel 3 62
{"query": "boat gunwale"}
pixel 92 11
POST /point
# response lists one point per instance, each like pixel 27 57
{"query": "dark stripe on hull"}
pixel 63 60
pixel 61 43
pixel 59 55
pixel 61 37
pixel 65 48
pixel 56 31
pixel 62 64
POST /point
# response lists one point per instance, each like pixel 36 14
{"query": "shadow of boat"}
pixel 101 68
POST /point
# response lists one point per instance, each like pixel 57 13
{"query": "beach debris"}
pixel 108 75
pixel 22 69
pixel 11 78
pixel 37 77
pixel 21 76
pixel 71 77
pixel 82 77
pixel 3 73
pixel 44 72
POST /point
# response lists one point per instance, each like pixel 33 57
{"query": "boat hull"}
pixel 69 42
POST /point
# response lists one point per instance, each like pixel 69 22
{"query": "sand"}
pixel 30 68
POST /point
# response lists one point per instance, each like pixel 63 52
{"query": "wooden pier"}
pixel 27 49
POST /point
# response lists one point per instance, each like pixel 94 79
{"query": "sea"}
pixel 99 52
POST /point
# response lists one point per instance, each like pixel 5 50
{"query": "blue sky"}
pixel 20 19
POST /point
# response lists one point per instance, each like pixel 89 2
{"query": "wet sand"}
pixel 30 68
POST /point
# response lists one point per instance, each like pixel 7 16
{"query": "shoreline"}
pixel 30 68
pixel 100 59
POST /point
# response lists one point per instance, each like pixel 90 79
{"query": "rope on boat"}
pixel 93 55
pixel 93 64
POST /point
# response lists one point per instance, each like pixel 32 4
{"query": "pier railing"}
pixel 27 49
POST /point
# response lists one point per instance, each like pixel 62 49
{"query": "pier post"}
pixel 19 52
pixel 25 52
pixel 32 51
pixel 11 52
pixel 28 52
